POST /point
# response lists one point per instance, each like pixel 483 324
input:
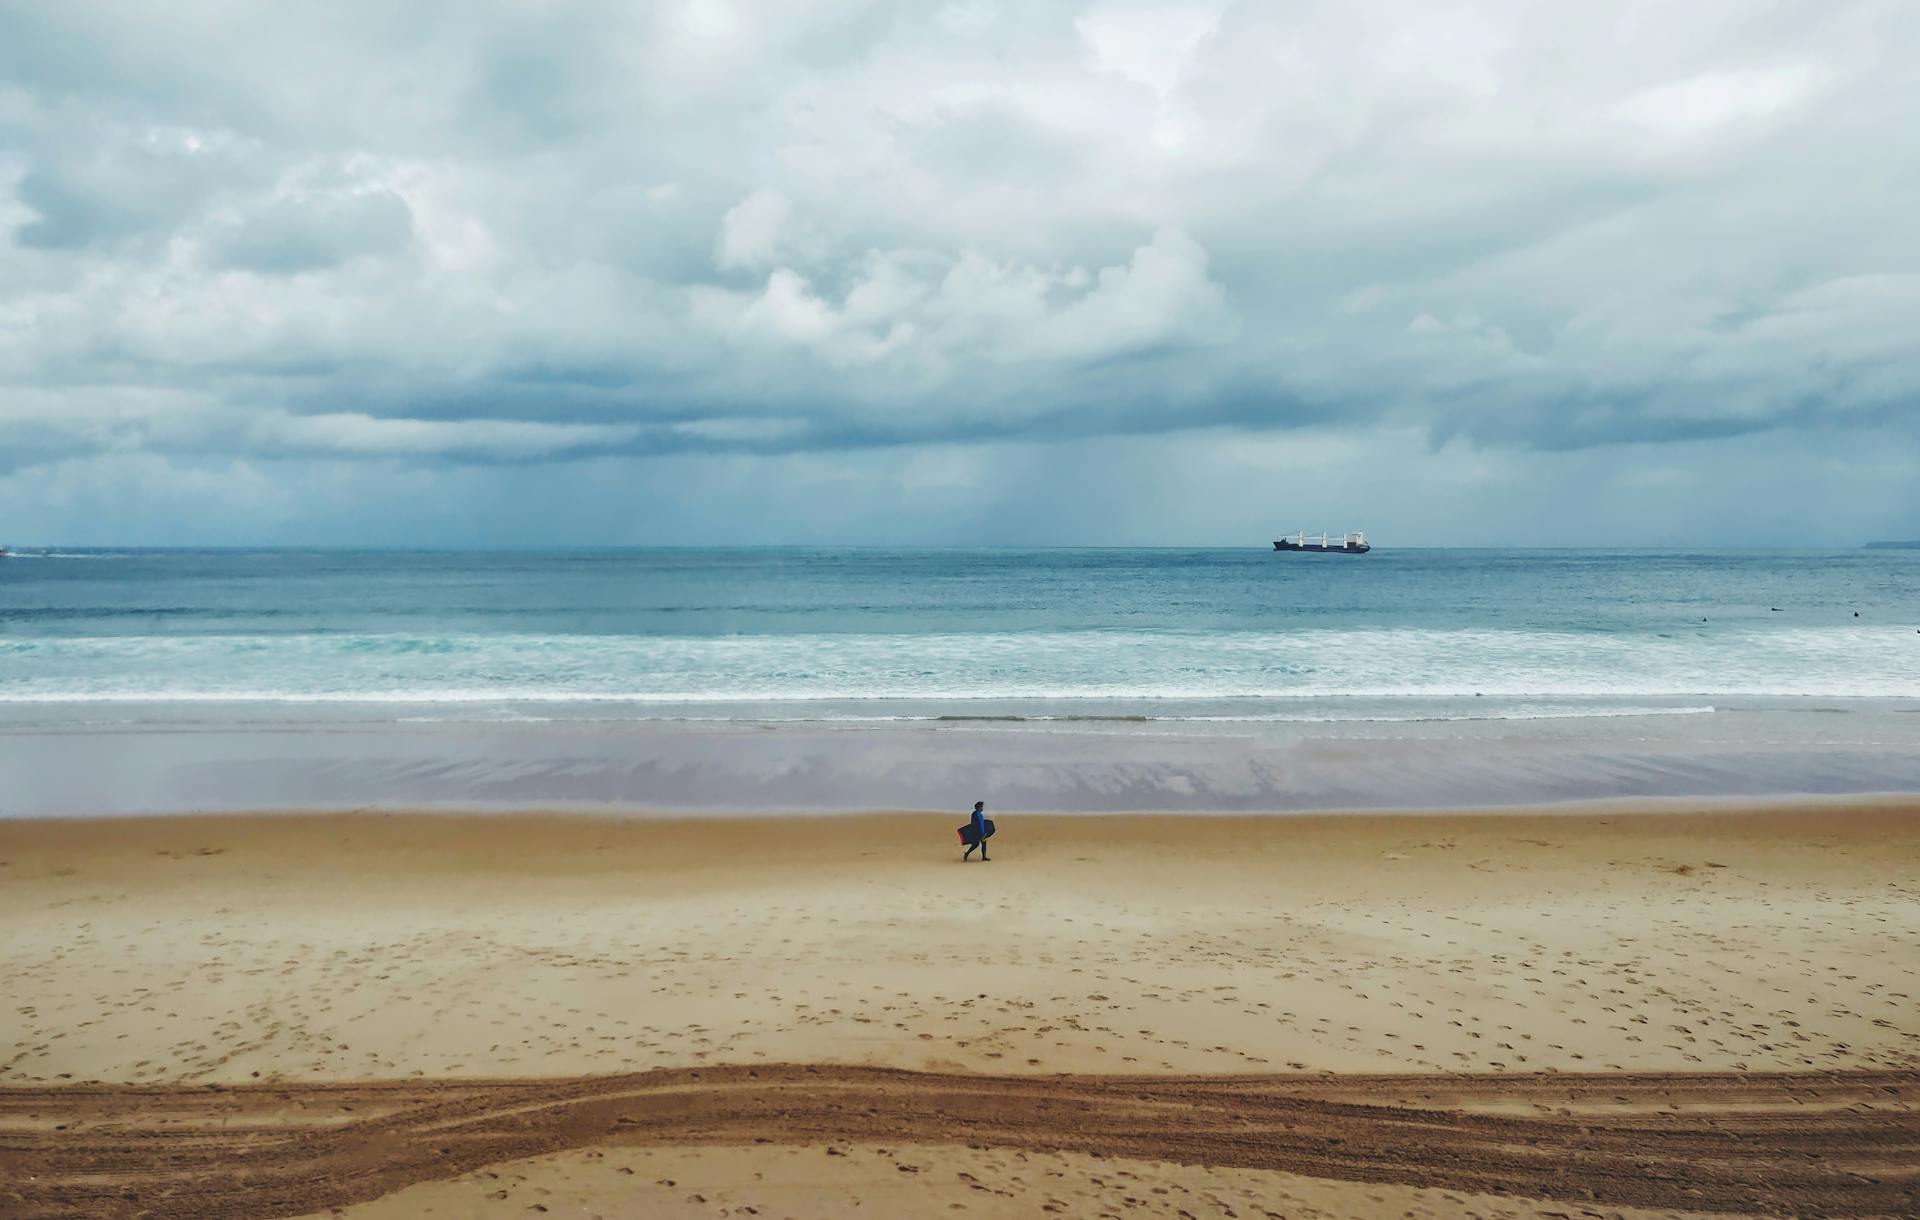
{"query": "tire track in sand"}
pixel 1844 1143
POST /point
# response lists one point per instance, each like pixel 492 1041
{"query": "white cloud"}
pixel 347 433
pixel 750 232
pixel 1147 44
pixel 1163 294
pixel 951 314
pixel 789 311
pixel 968 17
pixel 1711 100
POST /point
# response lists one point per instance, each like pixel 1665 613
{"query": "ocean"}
pixel 1217 645
pixel 1168 634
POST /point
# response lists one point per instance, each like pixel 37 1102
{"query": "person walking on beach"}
pixel 979 831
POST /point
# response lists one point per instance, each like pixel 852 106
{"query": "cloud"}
pixel 1149 45
pixel 750 232
pixel 467 238
pixel 347 433
pixel 1700 104
pixel 946 317
pixel 124 181
pixel 312 231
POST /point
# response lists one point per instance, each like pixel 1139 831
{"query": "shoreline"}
pixel 1750 754
pixel 1781 804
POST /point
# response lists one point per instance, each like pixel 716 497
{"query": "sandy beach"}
pixel 1582 977
pixel 526 529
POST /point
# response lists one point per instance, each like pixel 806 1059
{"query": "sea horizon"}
pixel 40 549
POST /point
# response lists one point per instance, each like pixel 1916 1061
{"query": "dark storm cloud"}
pixel 490 236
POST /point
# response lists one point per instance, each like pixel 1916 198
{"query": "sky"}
pixel 699 271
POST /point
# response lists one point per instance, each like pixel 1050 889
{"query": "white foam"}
pixel 1141 667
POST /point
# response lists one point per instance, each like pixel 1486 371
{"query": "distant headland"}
pixel 1913 545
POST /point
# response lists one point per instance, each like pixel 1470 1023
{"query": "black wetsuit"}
pixel 979 835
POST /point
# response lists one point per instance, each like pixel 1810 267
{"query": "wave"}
pixel 1135 668
pixel 65 555
pixel 1358 717
pixel 1330 717
pixel 1464 711
pixel 500 695
pixel 1559 713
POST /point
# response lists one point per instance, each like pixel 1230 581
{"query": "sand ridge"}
pixel 1808 1143
pixel 784 1182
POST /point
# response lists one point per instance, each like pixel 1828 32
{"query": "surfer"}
pixel 979 828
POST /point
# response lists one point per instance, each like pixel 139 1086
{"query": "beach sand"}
pixel 1674 953
pixel 921 1181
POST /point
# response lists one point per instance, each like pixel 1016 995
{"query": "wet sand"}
pixel 258 758
pixel 428 951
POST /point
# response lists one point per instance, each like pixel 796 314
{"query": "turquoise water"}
pixel 1206 636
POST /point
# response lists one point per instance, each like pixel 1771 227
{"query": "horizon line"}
pixel 486 548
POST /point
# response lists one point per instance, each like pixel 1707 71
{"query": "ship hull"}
pixel 1314 548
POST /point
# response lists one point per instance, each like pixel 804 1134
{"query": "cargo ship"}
pixel 1354 543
